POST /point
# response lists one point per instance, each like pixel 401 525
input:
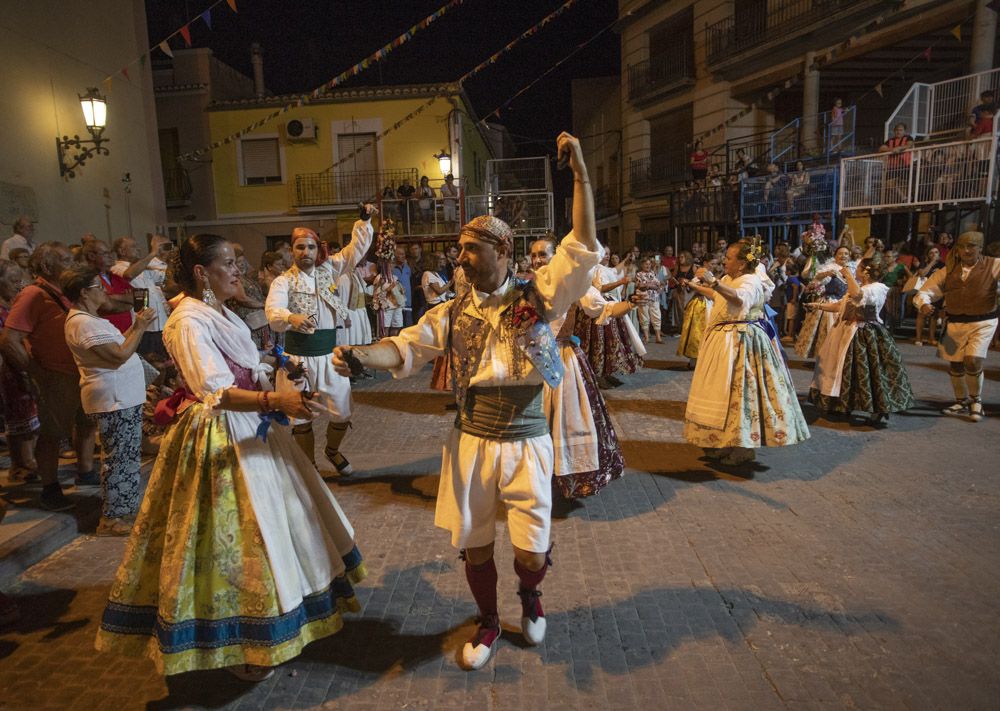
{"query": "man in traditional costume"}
pixel 303 303
pixel 502 353
pixel 968 285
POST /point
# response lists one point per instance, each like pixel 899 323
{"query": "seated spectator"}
pixel 118 309
pixel 112 392
pixel 20 412
pixel 33 342
pixel 797 184
pixel 436 290
pixel 897 164
pixel 773 185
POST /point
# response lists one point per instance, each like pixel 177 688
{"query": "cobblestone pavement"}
pixel 858 570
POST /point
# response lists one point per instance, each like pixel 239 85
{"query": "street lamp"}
pixel 444 161
pixel 95 117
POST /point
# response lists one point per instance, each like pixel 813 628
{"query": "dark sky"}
pixel 307 43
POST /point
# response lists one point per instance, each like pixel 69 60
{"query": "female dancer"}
pixel 696 315
pixel 825 284
pixel 859 367
pixel 741 394
pixel 932 262
pixel 240 555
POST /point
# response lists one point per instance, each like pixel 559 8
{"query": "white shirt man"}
pixel 24 231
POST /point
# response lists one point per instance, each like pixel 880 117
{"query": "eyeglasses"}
pixel 96 285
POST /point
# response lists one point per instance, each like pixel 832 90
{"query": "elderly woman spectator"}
pixel 112 391
pixel 426 195
pixel 20 257
pixel 248 303
pixel 272 265
pixel 20 412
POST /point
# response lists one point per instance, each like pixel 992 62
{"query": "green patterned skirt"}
pixel 874 378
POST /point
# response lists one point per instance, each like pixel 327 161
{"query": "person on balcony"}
pixel 449 202
pixel 981 116
pixel 774 185
pixel 836 124
pixel 968 284
pixel 303 304
pixel 405 193
pixel 425 201
pixel 698 161
pixel 897 164
pixel 798 182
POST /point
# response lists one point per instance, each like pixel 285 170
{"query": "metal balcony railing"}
pixel 792 198
pixel 528 213
pixel 348 187
pixel 935 174
pixel 755 23
pixel 788 143
pixel 177 186
pixel 670 68
pixel 930 109
pixel 425 217
pixel 705 205
pixel 656 174
pixel 511 175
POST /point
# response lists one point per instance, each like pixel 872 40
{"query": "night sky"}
pixel 306 44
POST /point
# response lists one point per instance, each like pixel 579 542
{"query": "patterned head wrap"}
pixel 322 252
pixel 490 229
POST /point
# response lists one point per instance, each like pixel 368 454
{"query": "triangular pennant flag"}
pixel 878 89
pixel 125 72
pixel 165 48
pixel 926 54
pixel 106 85
pixel 232 5
pixel 186 34
pixel 956 32
pixel 206 17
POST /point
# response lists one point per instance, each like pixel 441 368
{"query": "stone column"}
pixel 810 106
pixel 984 34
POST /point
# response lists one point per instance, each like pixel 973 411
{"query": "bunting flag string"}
pixel 323 89
pixel 472 72
pixel 830 54
pixel 164 45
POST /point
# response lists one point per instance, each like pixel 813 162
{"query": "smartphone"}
pixel 140 299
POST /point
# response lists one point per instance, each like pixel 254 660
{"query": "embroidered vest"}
pixel 304 302
pixel 527 334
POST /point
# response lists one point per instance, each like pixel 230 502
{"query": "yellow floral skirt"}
pixel 195 589
pixel 693 328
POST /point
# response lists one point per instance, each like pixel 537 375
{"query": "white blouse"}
pixel 102 388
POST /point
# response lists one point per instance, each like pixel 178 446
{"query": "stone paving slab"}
pixel 858 570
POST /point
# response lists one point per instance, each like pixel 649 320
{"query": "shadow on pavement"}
pixel 667 409
pixel 410 486
pixel 41 611
pixel 420 403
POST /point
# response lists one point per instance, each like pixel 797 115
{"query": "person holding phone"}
pixel 304 304
pixel 112 391
pixel 147 276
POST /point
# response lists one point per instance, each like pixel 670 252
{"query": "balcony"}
pixel 760 33
pixel 177 186
pixel 942 108
pixel 657 77
pixel 711 205
pixel 330 188
pixel 934 175
pixel 655 175
pixel 768 200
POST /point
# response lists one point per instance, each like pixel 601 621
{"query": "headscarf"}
pixel 322 251
pixel 954 260
pixel 490 229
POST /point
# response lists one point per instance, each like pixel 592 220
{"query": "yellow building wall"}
pixel 413 145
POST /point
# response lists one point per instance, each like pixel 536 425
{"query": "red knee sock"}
pixel 531 603
pixel 483 584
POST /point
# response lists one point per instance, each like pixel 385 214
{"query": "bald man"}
pixel 303 304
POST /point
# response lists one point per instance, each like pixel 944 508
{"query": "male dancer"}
pixel 968 284
pixel 501 350
pixel 303 303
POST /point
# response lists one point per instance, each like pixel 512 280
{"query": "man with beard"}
pixel 502 351
pixel 303 304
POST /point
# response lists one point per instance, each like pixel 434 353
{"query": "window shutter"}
pixel 261 161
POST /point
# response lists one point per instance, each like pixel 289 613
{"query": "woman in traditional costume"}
pixel 859 367
pixel 824 284
pixel 696 314
pixel 742 396
pixel 240 555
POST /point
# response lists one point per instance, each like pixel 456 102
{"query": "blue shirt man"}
pixel 401 271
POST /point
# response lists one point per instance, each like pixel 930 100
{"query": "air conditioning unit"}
pixel 301 130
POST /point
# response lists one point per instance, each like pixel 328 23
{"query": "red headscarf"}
pixel 322 252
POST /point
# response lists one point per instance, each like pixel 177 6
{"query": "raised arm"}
pixel 584 225
pixel 361 239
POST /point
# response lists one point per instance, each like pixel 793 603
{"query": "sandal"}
pixel 250 672
pixel 113 527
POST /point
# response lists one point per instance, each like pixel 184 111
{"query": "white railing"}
pixel 529 213
pixel 513 175
pixel 929 109
pixel 935 174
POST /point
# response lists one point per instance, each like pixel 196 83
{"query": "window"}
pixel 260 161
